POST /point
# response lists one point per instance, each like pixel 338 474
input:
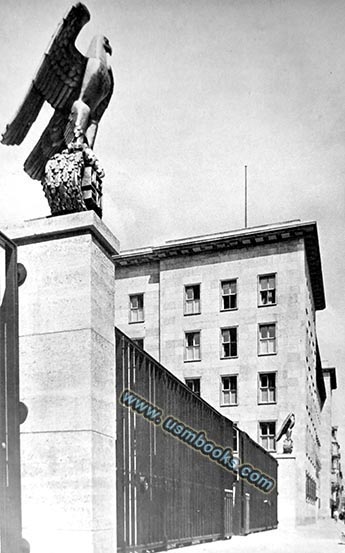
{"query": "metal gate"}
pixel 168 493
pixel 10 410
pixel 228 508
pixel 259 510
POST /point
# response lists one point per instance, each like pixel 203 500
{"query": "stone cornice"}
pixel 64 226
pixel 243 238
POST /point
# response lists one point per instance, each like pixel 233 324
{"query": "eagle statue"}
pixel 79 89
pixel 286 430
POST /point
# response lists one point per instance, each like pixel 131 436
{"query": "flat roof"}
pixel 239 238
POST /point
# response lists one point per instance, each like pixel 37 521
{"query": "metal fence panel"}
pixel 10 497
pixel 167 492
pixel 262 507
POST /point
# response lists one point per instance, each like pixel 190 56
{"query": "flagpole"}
pixel 245 198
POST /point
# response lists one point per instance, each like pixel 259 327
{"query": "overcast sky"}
pixel 203 88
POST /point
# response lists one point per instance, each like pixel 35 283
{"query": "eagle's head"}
pixel 98 46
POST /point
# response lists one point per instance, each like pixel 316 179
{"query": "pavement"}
pixel 323 537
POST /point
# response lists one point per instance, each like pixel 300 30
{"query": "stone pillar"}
pixel 287 502
pixel 66 328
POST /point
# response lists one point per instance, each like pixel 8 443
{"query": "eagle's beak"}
pixel 108 49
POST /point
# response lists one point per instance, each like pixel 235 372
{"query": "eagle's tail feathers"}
pixel 51 142
pixel 63 95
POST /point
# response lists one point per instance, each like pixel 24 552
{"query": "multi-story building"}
pixel 233 315
pixel 327 505
pixel 336 473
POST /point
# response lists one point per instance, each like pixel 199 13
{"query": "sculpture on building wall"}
pixel 286 429
pixel 79 88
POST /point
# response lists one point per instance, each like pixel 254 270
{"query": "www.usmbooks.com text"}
pixel 198 441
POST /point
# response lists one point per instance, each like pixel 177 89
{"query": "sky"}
pixel 203 88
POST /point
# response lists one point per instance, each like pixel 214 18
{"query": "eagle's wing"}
pixel 285 426
pixel 58 79
pixel 51 142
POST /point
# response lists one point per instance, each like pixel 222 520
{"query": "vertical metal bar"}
pixel 10 485
pixel 135 506
pixel 3 440
pixel 130 454
pixel 7 405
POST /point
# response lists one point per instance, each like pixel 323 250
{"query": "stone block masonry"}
pixel 68 383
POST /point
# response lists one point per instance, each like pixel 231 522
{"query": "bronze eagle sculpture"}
pixel 286 429
pixel 78 87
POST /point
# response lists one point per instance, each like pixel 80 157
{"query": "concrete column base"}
pixel 287 503
pixel 66 322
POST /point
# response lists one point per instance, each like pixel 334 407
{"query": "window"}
pixel 136 308
pixel 192 346
pixel 139 342
pixel 229 390
pixel 192 299
pixel 310 488
pixel 267 436
pixel 229 295
pixel 267 339
pixel 267 290
pixel 334 464
pixel 267 388
pixel 194 385
pixel 229 342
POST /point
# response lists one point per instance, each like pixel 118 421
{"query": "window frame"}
pixel 222 404
pixel 185 346
pixel 185 286
pixel 267 275
pixel 310 488
pixel 131 310
pixel 221 342
pixel 193 378
pixel 223 281
pixel 267 373
pixel 275 324
pixel 269 421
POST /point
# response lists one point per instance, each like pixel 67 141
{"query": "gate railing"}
pixel 11 411
pixel 168 493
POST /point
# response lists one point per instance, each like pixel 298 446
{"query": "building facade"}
pixel 327 504
pixel 336 474
pixel 233 316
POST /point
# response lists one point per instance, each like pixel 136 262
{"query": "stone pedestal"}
pixel 66 329
pixel 287 501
